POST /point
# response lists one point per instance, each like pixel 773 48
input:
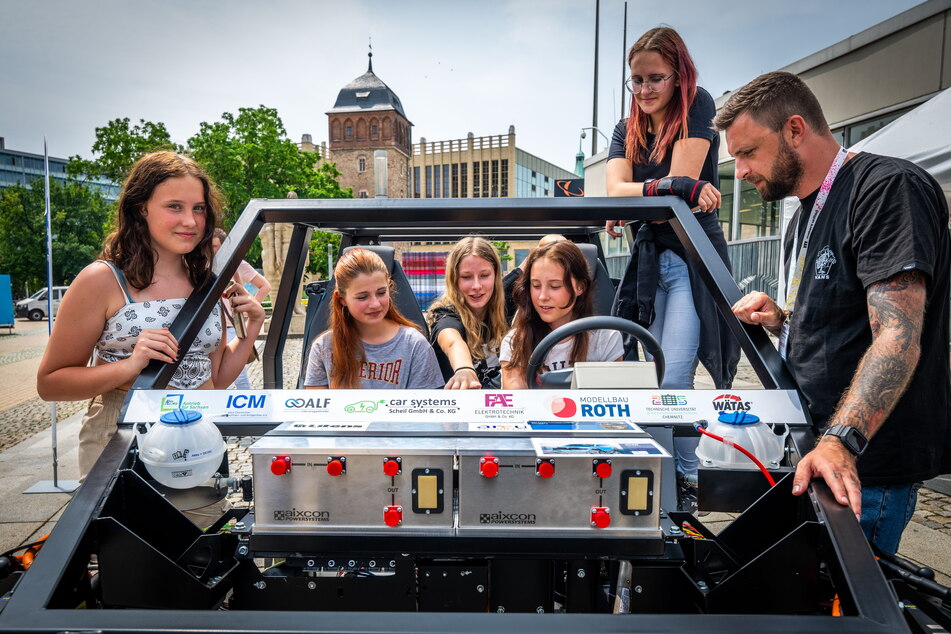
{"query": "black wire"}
pixel 23 547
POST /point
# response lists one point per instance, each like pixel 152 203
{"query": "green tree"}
pixel 249 156
pixel 118 146
pixel 502 247
pixel 78 222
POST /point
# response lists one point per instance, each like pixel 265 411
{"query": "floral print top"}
pixel 122 331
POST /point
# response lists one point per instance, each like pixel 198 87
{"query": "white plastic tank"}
pixel 181 450
pixel 747 431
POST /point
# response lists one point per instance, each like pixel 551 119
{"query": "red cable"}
pixel 746 453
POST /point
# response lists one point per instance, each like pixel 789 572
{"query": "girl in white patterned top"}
pixel 118 309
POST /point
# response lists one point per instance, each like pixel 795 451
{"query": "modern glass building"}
pixel 481 167
pixel 22 168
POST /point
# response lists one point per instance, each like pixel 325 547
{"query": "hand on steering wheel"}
pixel 598 322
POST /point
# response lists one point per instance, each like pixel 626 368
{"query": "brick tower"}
pixel 371 138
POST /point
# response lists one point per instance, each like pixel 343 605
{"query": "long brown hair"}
pixel 130 245
pixel 529 327
pixel 489 331
pixel 667 43
pixel 347 354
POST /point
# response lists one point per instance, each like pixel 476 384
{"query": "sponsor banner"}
pixel 315 426
pixel 640 447
pixel 607 426
pixel 603 409
pixel 498 427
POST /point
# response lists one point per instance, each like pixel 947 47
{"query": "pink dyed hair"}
pixel 667 43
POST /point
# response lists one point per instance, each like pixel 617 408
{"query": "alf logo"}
pixel 499 400
pixel 171 402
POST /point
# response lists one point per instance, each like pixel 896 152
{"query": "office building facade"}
pixel 22 168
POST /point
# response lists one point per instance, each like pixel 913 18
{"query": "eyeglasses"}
pixel 654 83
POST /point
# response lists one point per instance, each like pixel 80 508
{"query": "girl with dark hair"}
pixel 667 146
pixel 119 309
pixel 369 344
pixel 468 321
pixel 553 290
pixel 244 275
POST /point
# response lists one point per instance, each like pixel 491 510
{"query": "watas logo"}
pixel 731 403
pixel 563 407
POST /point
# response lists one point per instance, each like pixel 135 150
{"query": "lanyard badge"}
pixel 800 263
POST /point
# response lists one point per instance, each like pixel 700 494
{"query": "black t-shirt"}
pixel 699 125
pixel 883 216
pixel 444 317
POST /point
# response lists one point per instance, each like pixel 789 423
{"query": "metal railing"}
pixel 755 264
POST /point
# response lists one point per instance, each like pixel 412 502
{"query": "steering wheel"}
pixel 598 322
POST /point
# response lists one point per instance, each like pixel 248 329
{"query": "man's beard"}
pixel 787 172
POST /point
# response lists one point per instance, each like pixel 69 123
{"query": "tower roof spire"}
pixel 370 56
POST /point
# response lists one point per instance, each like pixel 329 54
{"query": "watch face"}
pixel 852 438
pixel 857 440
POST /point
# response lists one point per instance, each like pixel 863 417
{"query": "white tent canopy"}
pixel 923 136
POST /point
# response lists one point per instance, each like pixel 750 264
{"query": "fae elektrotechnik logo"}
pixel 499 400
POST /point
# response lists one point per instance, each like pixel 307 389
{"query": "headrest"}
pixel 387 254
pixel 590 252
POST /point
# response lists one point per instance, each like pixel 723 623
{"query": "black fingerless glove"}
pixel 682 186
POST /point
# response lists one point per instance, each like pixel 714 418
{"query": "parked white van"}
pixel 34 306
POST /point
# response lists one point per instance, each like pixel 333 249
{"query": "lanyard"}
pixel 793 289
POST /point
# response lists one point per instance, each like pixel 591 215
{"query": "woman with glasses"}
pixel 667 146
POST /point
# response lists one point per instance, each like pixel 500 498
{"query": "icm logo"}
pixel 498 400
pixel 171 402
pixel 307 403
pixel 668 399
pixel 563 407
pixel 731 403
pixel 246 401
pixel 301 515
pixel 506 518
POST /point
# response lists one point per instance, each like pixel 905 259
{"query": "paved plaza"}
pixel 26 456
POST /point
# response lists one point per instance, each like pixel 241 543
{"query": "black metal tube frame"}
pixel 373 220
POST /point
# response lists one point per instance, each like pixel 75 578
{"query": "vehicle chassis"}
pixel 765 572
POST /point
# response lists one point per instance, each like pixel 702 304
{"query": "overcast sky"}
pixel 458 66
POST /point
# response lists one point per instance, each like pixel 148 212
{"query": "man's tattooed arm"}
pixel 896 308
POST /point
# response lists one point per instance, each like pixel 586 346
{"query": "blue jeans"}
pixel 242 382
pixel 677 328
pixel 886 511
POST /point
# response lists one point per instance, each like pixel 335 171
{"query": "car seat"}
pixel 319 293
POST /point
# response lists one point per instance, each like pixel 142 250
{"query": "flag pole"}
pixel 55 486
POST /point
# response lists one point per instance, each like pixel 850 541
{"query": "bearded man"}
pixel 864 326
